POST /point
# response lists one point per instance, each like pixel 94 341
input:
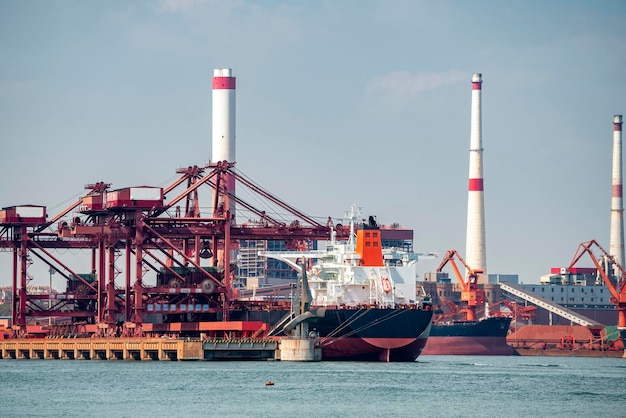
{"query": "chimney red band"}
pixel 617 127
pixel 475 185
pixel 223 83
pixel 476 85
pixel 617 190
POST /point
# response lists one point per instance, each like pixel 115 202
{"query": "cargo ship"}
pixel 475 334
pixel 486 336
pixel 361 308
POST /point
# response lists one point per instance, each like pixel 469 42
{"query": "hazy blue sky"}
pixel 120 91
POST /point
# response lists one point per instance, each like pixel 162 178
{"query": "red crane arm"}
pixel 449 258
pixel 585 248
pixel 470 292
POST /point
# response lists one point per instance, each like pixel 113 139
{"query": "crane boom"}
pixel 470 293
pixel 618 291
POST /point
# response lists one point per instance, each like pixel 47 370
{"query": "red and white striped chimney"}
pixel 223 134
pixel 616 247
pixel 223 115
pixel 475 249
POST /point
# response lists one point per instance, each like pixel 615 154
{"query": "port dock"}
pixel 138 349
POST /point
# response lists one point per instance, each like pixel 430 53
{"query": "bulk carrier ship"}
pixel 361 307
pixel 483 337
pixel 472 335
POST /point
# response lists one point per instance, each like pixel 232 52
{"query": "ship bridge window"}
pixel 367 244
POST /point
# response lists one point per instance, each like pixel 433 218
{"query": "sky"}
pixel 338 102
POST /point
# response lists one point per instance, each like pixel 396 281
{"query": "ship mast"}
pixel 352 216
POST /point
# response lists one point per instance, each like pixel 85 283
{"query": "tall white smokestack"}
pixel 223 115
pixel 616 248
pixel 223 135
pixel 475 249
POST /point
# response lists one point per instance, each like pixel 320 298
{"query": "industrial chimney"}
pixel 616 248
pixel 475 249
pixel 223 134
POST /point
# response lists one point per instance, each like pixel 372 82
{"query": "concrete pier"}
pixel 160 349
pixel 102 349
pixel 300 349
pixel 246 349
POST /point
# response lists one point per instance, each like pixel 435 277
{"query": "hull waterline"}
pixel 484 337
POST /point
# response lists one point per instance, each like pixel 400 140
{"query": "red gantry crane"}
pixel 134 231
pixel 470 293
pixel 617 289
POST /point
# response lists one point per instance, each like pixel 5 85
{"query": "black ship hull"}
pixel 390 335
pixel 484 337
pixel 362 334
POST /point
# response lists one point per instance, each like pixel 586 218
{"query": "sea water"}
pixel 433 386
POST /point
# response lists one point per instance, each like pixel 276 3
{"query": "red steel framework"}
pixel 617 287
pixel 470 292
pixel 171 239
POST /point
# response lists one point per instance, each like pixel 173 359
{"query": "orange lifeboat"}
pixel 386 284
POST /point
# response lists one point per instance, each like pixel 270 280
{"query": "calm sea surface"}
pixel 439 386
